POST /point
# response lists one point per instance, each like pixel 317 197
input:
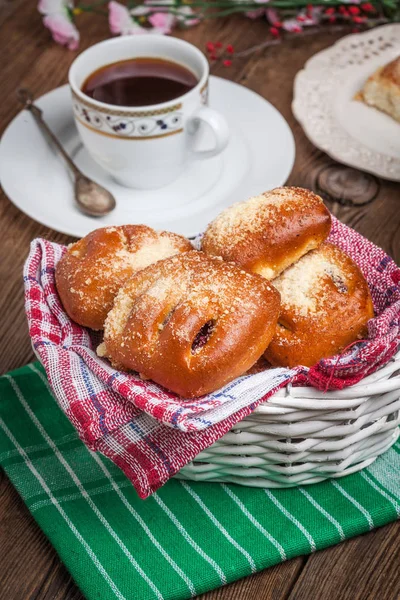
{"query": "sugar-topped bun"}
pixel 270 232
pixel 326 304
pixel 93 269
pixel 191 323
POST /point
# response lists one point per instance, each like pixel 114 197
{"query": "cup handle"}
pixel 217 123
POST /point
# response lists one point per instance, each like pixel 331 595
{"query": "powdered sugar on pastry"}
pixel 244 217
pixel 269 232
pixel 191 322
pixel 90 274
pixel 302 286
pixel 326 305
pixel 155 249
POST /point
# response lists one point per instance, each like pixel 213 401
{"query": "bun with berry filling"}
pixel 326 305
pixel 191 323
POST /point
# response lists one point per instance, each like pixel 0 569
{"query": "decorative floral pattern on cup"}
pixel 139 125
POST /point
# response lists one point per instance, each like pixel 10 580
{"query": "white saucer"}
pixel 259 156
pixel 324 104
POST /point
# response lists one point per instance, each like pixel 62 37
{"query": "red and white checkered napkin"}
pixel 151 433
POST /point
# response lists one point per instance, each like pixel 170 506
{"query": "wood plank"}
pixel 359 568
pixel 20 536
pixel 273 584
pixel 363 568
pixel 40 575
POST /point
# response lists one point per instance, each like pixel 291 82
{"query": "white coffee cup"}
pixel 145 147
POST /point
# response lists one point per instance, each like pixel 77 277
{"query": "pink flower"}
pixel 272 16
pixel 122 21
pixel 162 22
pixel 292 25
pixel 58 19
pixel 311 17
pixel 184 15
pixel 187 17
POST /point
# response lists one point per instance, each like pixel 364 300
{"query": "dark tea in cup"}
pixel 139 82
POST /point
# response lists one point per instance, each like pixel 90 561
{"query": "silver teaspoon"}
pixel 92 198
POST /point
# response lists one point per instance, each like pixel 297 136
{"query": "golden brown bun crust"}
pixel 93 269
pixel 268 233
pixel 326 305
pixel 191 323
pixel 382 89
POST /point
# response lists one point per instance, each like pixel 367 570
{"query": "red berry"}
pixel 218 44
pixel 230 49
pixel 354 10
pixel 358 19
pixel 213 57
pixel 210 47
pixel 300 18
pixel 343 10
pixel 278 24
pixel 296 29
pixel 227 63
pixel 367 7
pixel 274 31
pixel 330 11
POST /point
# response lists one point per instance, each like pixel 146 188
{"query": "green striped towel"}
pixel 188 537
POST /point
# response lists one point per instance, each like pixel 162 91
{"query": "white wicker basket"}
pixel 302 435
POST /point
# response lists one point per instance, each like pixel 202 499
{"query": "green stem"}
pixel 245 6
pixel 90 9
pixel 251 5
pixel 205 15
pixel 227 11
pixel 224 8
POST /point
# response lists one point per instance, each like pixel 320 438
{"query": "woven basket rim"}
pixel 302 436
pixel 384 380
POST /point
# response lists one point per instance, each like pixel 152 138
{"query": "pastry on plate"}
pixel 191 323
pixel 268 233
pixel 326 305
pixel 91 272
pixel 382 89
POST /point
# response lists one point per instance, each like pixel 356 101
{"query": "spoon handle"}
pixel 26 98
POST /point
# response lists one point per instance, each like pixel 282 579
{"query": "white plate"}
pixel 346 129
pixel 259 156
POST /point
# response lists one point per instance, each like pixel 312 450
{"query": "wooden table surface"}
pixel 361 568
